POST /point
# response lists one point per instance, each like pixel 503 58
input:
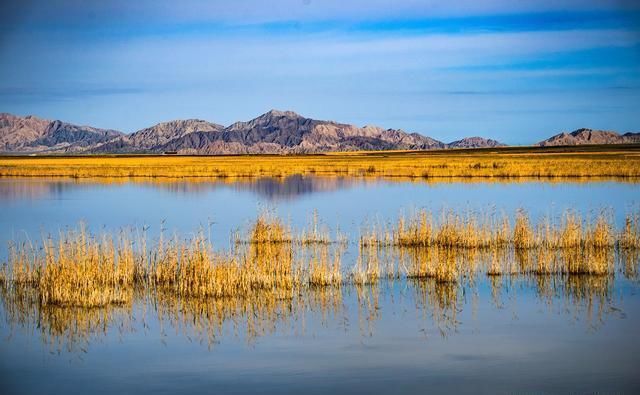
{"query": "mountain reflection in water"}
pixel 268 188
pixel 272 189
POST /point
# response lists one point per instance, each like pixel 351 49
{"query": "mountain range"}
pixel 275 132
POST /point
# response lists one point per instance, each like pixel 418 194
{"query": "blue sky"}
pixel 517 71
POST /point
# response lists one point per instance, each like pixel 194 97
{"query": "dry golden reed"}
pixel 630 235
pixel 80 269
pixel 478 231
pixel 495 163
pixel 77 269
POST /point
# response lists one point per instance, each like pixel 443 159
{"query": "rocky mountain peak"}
pixel 591 136
pixel 475 142
pixel 273 113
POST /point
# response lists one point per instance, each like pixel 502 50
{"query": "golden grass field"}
pixel 586 161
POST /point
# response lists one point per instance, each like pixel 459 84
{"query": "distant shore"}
pixel 620 161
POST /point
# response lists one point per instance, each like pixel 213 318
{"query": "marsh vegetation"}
pixel 78 268
pixel 197 294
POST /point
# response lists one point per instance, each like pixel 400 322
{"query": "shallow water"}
pixel 503 334
pixel 35 207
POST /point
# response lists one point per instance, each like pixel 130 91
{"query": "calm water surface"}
pixel 484 335
pixel 35 207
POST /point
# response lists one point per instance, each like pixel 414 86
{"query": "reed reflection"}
pixel 209 320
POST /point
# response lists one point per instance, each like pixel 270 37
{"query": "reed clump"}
pixel 3 275
pixel 572 244
pixel 24 266
pixel 441 264
pixel 630 235
pixel 324 270
pixel 77 269
pixel 573 231
pixel 367 268
pixel 83 272
pixel 482 231
pixel 452 231
pixel 522 232
pixel 193 269
pixel 269 229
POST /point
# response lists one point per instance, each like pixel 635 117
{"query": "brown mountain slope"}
pixel 154 138
pixel 17 131
pixel 32 134
pixel 590 136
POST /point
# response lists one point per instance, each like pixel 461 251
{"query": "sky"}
pixel 516 71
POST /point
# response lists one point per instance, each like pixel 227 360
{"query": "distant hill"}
pixel 475 142
pixel 590 136
pixel 31 134
pixel 275 132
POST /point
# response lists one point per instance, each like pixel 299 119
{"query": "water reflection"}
pixel 268 188
pixel 33 189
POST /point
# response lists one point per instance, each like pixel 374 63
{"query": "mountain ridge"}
pixel 586 136
pixel 274 132
pixel 33 134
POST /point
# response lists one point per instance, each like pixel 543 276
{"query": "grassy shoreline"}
pixel 501 163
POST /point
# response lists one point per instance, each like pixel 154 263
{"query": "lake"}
pixel 483 334
pixel 40 206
